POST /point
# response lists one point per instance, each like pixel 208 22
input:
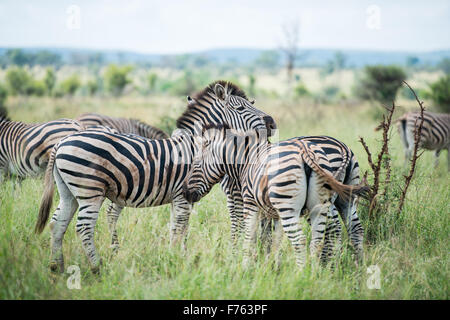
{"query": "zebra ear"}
pixel 190 100
pixel 252 102
pixel 220 91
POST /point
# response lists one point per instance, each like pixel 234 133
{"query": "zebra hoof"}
pixel 115 248
pixel 96 270
pixel 56 267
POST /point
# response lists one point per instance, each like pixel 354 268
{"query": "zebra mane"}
pixel 219 127
pixel 232 89
pixel 4 116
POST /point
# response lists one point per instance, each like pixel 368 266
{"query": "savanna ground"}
pixel 411 248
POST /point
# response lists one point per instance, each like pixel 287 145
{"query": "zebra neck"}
pixel 247 161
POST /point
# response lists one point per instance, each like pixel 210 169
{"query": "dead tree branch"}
pixel 417 134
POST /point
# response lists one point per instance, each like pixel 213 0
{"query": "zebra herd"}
pixel 221 137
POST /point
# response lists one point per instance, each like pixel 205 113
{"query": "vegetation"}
pixel 410 248
pixel 381 83
pixel 116 78
pixel 70 85
pixel 440 93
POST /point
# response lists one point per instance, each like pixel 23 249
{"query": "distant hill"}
pixel 310 57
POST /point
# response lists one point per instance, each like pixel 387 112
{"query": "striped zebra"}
pixel 344 166
pixel 435 133
pixel 273 180
pixel 122 125
pixel 25 148
pixel 134 171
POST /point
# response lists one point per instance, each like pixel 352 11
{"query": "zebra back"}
pixel 435 133
pixel 123 125
pixel 25 148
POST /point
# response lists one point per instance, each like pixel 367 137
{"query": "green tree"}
pixel 440 93
pixel 116 78
pixel 381 83
pixel 49 80
pixel 70 85
pixel 18 81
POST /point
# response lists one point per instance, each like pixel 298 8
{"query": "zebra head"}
pixel 207 166
pixel 224 103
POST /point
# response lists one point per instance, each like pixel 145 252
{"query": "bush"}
pixel 18 81
pixel 301 91
pixel 381 83
pixel 36 88
pixel 92 87
pixel 3 96
pixel 440 93
pixel 116 78
pixel 49 80
pixel 70 85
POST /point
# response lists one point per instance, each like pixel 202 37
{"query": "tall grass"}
pixel 410 249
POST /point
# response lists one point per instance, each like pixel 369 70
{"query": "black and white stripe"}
pixel 25 148
pixel 435 133
pixel 134 171
pixel 344 166
pixel 122 125
pixel 274 180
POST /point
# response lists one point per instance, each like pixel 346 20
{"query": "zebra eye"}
pixel 240 108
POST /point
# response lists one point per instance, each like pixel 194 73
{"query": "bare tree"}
pixel 291 38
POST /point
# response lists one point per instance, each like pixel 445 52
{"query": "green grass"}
pixel 410 249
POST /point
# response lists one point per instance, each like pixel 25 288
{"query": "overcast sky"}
pixel 174 26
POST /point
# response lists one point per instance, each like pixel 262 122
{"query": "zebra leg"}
pixel 59 223
pixel 87 219
pixel 112 215
pixel 333 236
pixel 319 216
pixel 179 220
pixel 251 227
pixel 290 221
pixel 353 225
pixel 436 158
pixel 276 240
pixel 266 234
pixel 448 158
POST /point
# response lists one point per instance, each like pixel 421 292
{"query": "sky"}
pixel 174 26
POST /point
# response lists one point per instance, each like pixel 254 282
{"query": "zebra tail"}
pixel 346 192
pixel 47 197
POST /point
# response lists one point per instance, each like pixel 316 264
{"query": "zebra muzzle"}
pixel 190 196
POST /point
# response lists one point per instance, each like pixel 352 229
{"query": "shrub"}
pixel 92 87
pixel 116 78
pixel 17 81
pixel 70 85
pixel 301 91
pixel 381 83
pixel 3 96
pixel 49 80
pixel 440 93
pixel 36 88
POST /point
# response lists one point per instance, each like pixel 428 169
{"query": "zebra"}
pixel 122 125
pixel 134 171
pixel 344 166
pixel 435 133
pixel 25 148
pixel 273 180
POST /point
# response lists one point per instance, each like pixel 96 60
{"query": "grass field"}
pixel 411 249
